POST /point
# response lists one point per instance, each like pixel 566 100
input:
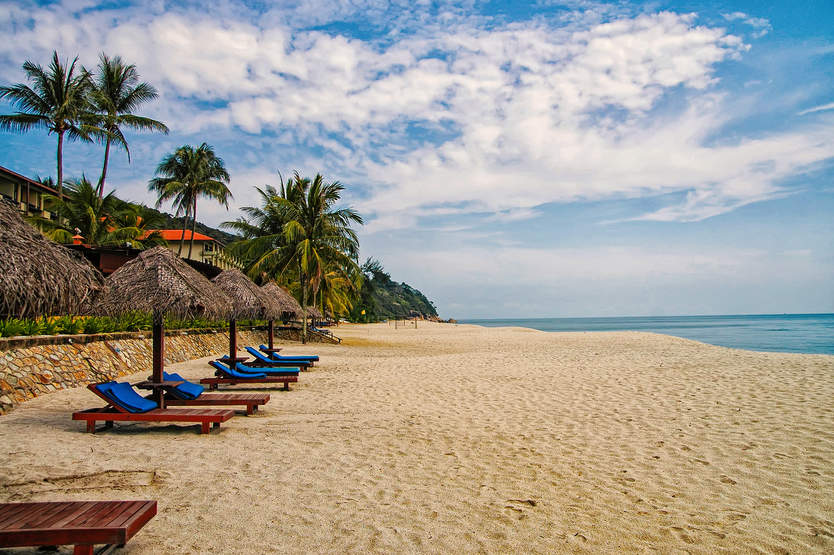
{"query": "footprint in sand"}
pixel 109 479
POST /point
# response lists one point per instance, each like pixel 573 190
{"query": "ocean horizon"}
pixel 786 333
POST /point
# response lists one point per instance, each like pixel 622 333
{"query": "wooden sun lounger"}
pixel 255 363
pixel 79 523
pixel 212 383
pixel 113 413
pixel 249 400
pixel 206 417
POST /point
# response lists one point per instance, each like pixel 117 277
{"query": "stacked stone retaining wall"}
pixel 34 366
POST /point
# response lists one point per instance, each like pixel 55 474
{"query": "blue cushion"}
pixel 186 391
pixel 123 395
pixel 258 355
pixel 278 358
pixel 261 370
pixel 234 373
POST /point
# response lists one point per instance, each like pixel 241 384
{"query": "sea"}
pixel 786 333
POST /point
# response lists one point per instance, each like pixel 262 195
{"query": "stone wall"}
pixel 35 366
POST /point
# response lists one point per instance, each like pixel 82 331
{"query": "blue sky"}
pixel 512 159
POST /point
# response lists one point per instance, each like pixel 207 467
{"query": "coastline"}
pixel 461 437
pixel 792 333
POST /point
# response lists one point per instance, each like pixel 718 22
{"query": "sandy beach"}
pixel 459 438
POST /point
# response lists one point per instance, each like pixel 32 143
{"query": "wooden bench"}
pixel 79 523
pixel 212 383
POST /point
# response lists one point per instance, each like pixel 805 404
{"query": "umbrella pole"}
pixel 158 358
pixel 271 333
pixel 232 342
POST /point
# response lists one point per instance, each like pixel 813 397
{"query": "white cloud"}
pixel 820 108
pixel 515 116
pixel 760 25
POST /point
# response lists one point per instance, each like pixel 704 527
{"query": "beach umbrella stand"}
pixel 289 306
pixel 250 302
pixel 160 283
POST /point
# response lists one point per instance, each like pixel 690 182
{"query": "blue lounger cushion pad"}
pixel 314 358
pixel 234 373
pixel 123 395
pixel 242 368
pixel 266 360
pixel 187 391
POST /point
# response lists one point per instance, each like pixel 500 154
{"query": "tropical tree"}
pixel 185 176
pixel 300 229
pixel 115 94
pixel 100 220
pixel 57 101
pixel 137 226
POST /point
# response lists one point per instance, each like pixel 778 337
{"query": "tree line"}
pixel 299 236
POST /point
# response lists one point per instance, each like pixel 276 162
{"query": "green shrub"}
pixel 31 327
pixel 69 325
pixel 133 321
pixel 11 327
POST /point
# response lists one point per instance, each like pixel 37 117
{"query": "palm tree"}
pixel 100 220
pixel 137 226
pixel 299 229
pixel 80 211
pixel 57 101
pixel 116 93
pixel 187 175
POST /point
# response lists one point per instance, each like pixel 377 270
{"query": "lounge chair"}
pixel 275 356
pixel 79 523
pixel 322 331
pixel 261 363
pixel 125 404
pixel 232 376
pixel 247 370
pixel 190 394
pixel 262 360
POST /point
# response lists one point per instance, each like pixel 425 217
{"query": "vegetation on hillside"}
pixel 382 298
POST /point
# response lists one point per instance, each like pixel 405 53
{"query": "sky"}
pixel 511 159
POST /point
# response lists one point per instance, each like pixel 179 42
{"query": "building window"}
pixel 208 247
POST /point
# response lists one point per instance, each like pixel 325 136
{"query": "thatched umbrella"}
pixel 157 281
pixel 37 276
pixel 289 306
pixel 250 302
pixel 314 313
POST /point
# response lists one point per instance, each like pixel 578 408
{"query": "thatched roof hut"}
pixel 37 276
pixel 249 299
pixel 158 281
pixel 313 312
pixel 287 302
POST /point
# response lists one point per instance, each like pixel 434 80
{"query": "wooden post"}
pixel 158 357
pixel 271 334
pixel 232 342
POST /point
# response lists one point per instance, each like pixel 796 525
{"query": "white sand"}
pixel 460 438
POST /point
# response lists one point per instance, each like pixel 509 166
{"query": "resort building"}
pixel 206 249
pixel 27 194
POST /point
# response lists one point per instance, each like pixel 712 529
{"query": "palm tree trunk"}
pixel 182 237
pixel 60 164
pixel 303 305
pixel 193 227
pixel 104 169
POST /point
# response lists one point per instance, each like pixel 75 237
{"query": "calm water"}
pixel 787 333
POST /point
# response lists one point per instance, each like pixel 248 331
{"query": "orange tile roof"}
pixel 176 235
